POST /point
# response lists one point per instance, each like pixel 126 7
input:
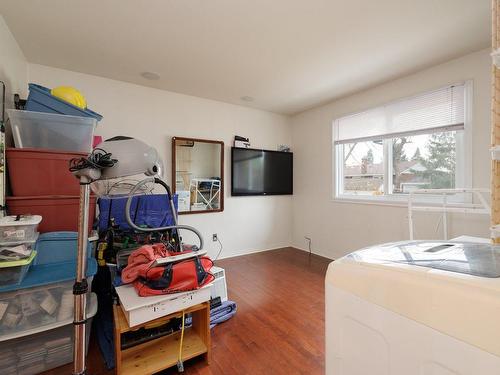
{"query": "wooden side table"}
pixel 161 353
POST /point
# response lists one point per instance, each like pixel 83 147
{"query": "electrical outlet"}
pixel 214 237
pixel 308 239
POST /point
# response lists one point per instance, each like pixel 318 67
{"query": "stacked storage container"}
pixel 36 315
pixel 36 293
pixel 17 238
pixel 47 135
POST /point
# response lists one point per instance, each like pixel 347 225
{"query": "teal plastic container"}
pixel 55 262
pixel 57 247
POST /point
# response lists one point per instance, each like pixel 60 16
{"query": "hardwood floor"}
pixel 279 326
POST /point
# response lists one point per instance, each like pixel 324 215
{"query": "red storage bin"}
pixel 59 213
pixel 37 172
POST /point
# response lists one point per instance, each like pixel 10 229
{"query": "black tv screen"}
pixel 261 172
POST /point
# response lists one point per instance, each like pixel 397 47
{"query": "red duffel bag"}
pixel 151 280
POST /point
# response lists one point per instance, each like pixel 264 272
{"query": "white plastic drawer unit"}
pixel 139 310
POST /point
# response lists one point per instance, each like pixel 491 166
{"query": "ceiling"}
pixel 288 55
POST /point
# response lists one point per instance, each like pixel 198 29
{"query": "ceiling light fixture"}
pixel 150 76
pixel 247 98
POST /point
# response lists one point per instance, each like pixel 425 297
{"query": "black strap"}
pixel 81 287
pixel 163 282
pixel 200 271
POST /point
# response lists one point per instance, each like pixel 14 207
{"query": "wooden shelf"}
pixel 156 355
pixel 161 353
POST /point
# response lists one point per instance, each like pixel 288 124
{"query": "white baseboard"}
pixel 254 251
pixel 313 252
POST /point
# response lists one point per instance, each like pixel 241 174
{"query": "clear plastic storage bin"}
pixel 17 250
pixel 41 349
pixel 51 131
pixel 21 228
pixel 34 308
pixel 13 272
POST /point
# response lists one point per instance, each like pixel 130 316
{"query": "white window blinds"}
pixel 443 109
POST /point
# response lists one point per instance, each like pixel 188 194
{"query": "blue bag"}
pixel 151 210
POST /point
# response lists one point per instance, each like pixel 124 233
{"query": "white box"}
pixel 184 200
pixel 138 310
pixel 241 144
pixel 219 286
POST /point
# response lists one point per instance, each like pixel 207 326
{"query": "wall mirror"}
pixel 198 174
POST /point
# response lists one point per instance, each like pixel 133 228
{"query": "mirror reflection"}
pixel 198 174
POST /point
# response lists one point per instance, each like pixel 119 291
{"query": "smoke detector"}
pixel 150 76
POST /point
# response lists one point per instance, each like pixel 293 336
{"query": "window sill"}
pixel 378 201
pixel 398 201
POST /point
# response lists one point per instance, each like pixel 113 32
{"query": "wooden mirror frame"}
pixel 174 172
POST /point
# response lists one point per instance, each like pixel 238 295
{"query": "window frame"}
pixel 463 174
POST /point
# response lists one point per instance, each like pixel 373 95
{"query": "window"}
pixel 414 143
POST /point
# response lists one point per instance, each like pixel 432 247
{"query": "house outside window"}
pixel 422 142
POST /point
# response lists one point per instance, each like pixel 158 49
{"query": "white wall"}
pixel 258 223
pixel 337 228
pixel 154 116
pixel 13 65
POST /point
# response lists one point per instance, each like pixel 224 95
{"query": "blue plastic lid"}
pixel 46 274
pixel 58 236
pixel 60 103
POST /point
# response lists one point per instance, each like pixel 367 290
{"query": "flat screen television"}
pixel 261 172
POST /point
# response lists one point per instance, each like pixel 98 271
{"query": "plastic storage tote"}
pixel 34 172
pixel 51 131
pixel 20 228
pixel 36 315
pixel 55 263
pixel 59 212
pixel 17 250
pixel 40 349
pixel 32 308
pixel 13 272
pixel 54 247
pixel 41 100
pixel 49 274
